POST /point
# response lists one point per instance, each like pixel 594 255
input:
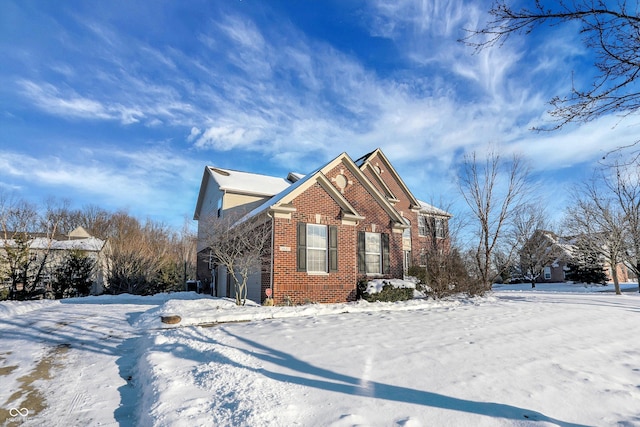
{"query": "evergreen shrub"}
pixel 389 293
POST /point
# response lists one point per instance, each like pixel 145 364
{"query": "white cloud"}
pixel 583 144
pixel 195 132
pixel 225 138
pixel 270 89
pixel 391 18
pixel 147 179
pixel 49 98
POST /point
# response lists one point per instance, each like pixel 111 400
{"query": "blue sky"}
pixel 121 104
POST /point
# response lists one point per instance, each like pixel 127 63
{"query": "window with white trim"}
pixel 422 225
pixel 432 226
pixel 406 233
pixel 372 253
pixel 440 227
pixel 316 248
pixel 547 273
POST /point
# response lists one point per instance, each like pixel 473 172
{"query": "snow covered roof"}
pixel 278 188
pixel 280 195
pixel 430 209
pixel 90 244
pixel 246 182
pixel 318 176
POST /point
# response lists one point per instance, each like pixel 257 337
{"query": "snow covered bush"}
pixel 386 290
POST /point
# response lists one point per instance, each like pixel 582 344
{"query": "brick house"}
pixel 345 220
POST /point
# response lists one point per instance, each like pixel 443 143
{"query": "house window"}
pixel 317 250
pixel 547 273
pixel 440 227
pixel 406 233
pixel 433 227
pixel 423 258
pixel 373 253
pixel 220 207
pixel 422 225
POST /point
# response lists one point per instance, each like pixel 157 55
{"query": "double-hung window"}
pixel 440 228
pixel 373 253
pixel 432 227
pixel 317 250
pixel 422 225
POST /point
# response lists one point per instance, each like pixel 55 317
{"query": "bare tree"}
pixel 28 237
pixel 611 30
pixel 241 245
pixel 138 254
pixel 494 190
pixel 57 218
pixel 17 216
pixel 142 258
pixel 186 250
pixel 533 237
pixel 624 184
pixel 97 221
pixel 600 225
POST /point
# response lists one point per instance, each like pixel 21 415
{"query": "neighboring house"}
pixel 562 249
pixel 341 222
pixel 56 248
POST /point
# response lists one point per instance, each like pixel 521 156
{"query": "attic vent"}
pixel 220 171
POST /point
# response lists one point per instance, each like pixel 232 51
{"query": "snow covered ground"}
pixel 557 355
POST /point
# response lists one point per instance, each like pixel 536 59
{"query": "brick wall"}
pixel 300 287
pixel 375 215
pixel 418 243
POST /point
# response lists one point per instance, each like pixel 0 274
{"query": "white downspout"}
pixel 273 248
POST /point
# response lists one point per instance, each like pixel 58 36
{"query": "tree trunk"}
pixel 616 281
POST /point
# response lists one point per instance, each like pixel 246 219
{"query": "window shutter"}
pixel 384 240
pixel 362 267
pixel 302 246
pixel 333 248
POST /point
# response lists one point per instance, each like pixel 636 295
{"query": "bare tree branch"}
pixel 241 245
pixel 493 198
pixel 610 30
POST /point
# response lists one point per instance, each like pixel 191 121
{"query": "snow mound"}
pixel 211 311
pixel 13 308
